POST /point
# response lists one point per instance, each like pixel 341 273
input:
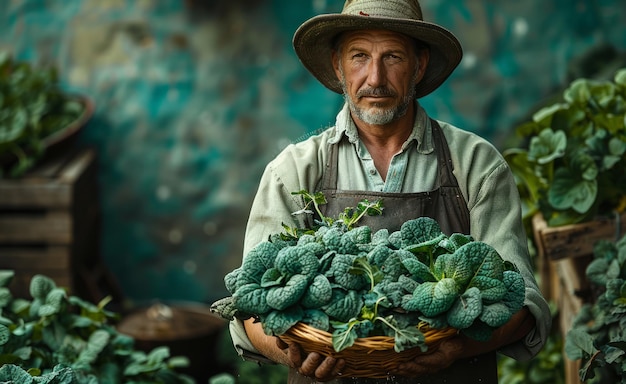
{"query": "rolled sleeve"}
pixel 242 343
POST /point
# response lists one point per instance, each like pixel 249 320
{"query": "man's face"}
pixel 378 71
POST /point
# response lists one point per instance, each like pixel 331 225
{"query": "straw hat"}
pixel 314 38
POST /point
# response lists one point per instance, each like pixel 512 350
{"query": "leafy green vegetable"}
pixel 353 283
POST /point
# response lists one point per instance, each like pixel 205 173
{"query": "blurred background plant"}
pixel 571 168
pixel 57 332
pixel 34 110
pixel 598 334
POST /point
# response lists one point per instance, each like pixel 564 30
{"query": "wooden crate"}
pixel 563 254
pixel 576 240
pixel 570 242
pixel 49 221
pixel 569 281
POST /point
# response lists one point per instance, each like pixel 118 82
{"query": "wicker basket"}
pixel 370 357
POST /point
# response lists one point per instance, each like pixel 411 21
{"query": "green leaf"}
pixel 409 337
pixel 529 182
pixel 420 271
pixel 547 146
pixel 620 77
pixel 278 322
pixel 178 362
pixel 434 298
pixel 158 355
pixel 578 92
pixel 55 335
pixel 570 191
pixel 251 298
pixel 5 334
pixel 344 335
pixel 492 289
pixel 423 232
pixel 344 305
pixel 495 315
pixel 483 259
pixel 317 319
pixel 271 277
pixel 54 302
pixel 10 373
pixel 453 266
pixel 15 128
pixel 6 276
pixel 40 286
pixel 98 340
pixel 614 352
pixel 283 297
pixel 5 297
pixel 579 344
pixel 465 309
pixel 544 115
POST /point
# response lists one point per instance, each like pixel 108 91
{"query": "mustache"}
pixel 379 91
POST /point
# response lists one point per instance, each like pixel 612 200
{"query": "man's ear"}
pixel 335 60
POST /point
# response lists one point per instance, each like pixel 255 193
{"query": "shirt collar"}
pixel 421 134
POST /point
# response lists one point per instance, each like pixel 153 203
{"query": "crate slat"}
pixel 38 258
pixel 40 228
pixel 42 189
pixel 577 239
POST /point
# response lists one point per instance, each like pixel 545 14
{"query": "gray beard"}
pixel 378 117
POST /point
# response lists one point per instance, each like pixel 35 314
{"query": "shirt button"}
pixel 372 172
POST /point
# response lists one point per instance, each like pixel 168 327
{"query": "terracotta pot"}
pixel 188 329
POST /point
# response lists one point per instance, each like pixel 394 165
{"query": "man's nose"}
pixel 376 75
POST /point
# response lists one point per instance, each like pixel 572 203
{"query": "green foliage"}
pixel 58 338
pixel 598 333
pixel 241 371
pixel 572 168
pixel 546 368
pixel 342 279
pixel 32 107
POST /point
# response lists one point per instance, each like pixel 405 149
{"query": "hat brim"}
pixel 313 42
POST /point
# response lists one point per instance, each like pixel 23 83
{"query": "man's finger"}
pixel 295 355
pixel 329 369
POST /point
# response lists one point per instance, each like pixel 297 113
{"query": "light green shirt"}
pixel 482 174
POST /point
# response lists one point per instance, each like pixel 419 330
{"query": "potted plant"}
pixel 36 115
pixel 572 165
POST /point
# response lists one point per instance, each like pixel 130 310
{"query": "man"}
pixel 382 57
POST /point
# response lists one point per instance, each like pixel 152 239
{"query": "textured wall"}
pixel 194 97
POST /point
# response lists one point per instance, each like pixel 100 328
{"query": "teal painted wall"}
pixel 194 97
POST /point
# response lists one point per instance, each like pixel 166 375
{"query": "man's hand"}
pixel 459 347
pixel 313 365
pixel 447 352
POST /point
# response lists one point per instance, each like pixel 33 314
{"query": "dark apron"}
pixel 446 205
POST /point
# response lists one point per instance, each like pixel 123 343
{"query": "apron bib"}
pixel 446 205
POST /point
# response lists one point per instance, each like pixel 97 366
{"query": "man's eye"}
pixel 393 58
